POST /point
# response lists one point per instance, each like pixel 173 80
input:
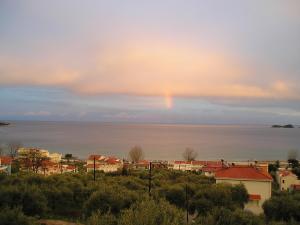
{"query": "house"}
pixel 49 168
pixel 5 164
pixel 211 167
pixel 182 165
pixel 25 152
pixel 159 164
pixel 286 179
pixel 103 163
pixel 55 157
pixel 257 182
pixel 142 165
pixel 191 165
pixel 295 187
pixel 69 168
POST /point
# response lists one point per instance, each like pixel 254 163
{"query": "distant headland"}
pixel 3 124
pixel 283 126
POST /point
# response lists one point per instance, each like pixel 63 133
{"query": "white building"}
pixel 103 163
pixel 24 152
pixel 55 157
pixel 286 180
pixel 193 165
pixel 257 182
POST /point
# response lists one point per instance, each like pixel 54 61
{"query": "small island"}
pixel 283 126
pixel 3 124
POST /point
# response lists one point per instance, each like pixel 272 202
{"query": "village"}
pixel 254 175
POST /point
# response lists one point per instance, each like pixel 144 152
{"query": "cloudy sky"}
pixel 151 61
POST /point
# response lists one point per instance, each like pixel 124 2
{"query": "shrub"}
pixel 15 216
pixel 149 212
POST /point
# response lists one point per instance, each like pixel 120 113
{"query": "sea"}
pixel 158 141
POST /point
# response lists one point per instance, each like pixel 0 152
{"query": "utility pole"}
pixel 150 177
pixel 187 204
pixel 94 168
pixel 61 168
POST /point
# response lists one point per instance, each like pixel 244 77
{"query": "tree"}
pixel 1 149
pixel 68 157
pixel 13 147
pixel 189 154
pixel 136 154
pixel 113 198
pixel 226 216
pixel 15 216
pixel 150 212
pixel 292 159
pixel 274 167
pixel 174 194
pixel 283 207
pixel 33 160
pixel 293 154
pixel 97 218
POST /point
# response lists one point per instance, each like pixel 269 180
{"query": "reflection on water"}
pixel 159 141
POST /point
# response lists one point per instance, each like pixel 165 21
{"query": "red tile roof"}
pixel 285 173
pixel 242 172
pixel 181 162
pixel 112 160
pixel 5 160
pixel 296 187
pixel 254 197
pixel 211 168
pixel 71 167
pixel 48 163
pixel 97 157
pixel 92 166
pixel 196 162
pixel 143 162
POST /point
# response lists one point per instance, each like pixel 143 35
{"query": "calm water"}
pixel 158 141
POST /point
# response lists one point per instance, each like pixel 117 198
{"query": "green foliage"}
pixel 149 212
pixel 175 194
pixel 224 216
pixel 296 171
pixel 112 199
pixel 15 216
pixel 122 199
pixel 29 198
pixel 274 167
pixel 284 206
pixel 102 219
pixel 219 195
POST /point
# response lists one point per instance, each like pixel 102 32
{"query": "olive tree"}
pixel 136 154
pixel 189 154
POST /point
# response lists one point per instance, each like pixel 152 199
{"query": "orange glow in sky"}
pixel 168 101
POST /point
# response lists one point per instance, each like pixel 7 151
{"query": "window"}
pixel 283 181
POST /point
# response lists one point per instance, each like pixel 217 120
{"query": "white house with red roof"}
pixel 257 182
pixel 205 166
pixel 5 164
pixel 211 167
pixel 286 180
pixel 180 165
pixel 103 163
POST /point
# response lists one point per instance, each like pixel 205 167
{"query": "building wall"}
pixel 106 168
pixel 55 157
pixel 286 182
pixel 262 188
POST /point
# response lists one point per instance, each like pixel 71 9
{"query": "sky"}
pixel 170 61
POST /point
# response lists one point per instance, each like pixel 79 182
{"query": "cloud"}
pixel 147 68
pixel 246 49
pixel 39 113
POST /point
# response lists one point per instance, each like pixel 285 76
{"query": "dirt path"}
pixel 57 222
